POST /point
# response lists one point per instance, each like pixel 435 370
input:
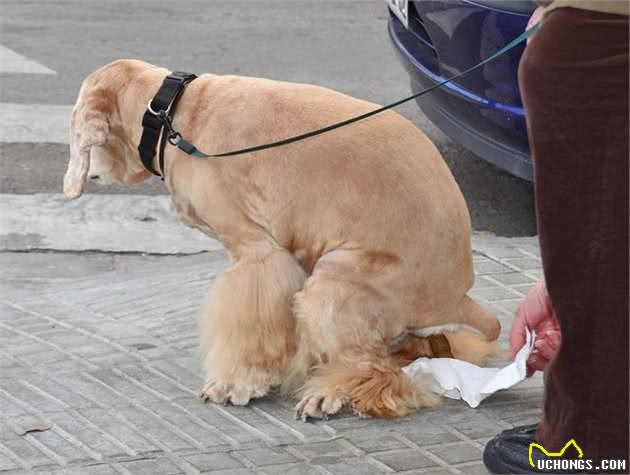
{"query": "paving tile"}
pixel 513 278
pixel 91 350
pixel 365 440
pixel 325 449
pixel 484 282
pixel 125 435
pixel 268 456
pixel 7 464
pixel 494 293
pixel 99 469
pixel 88 434
pixel 212 461
pixel 351 466
pixel 193 427
pixel 30 398
pixel 156 428
pixel 233 471
pixel 283 412
pixel 474 469
pixel 525 263
pixel 112 360
pixel 20 446
pixel 480 426
pixel 117 383
pixel 138 373
pixel 524 288
pixel 405 460
pixel 291 469
pixel 537 274
pixel 10 408
pixel 428 434
pixel 524 419
pixel 91 389
pixel 47 356
pixel 490 267
pixel 347 422
pixel 54 442
pixel 50 388
pixel 457 453
pixel 229 427
pixel 258 424
pixel 504 252
pixel 158 466
pixel 437 471
pixel 510 306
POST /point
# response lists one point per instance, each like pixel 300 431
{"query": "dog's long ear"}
pixel 89 127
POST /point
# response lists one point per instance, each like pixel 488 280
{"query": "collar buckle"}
pixel 162 107
pixel 159 113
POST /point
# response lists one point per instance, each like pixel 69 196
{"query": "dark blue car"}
pixel 482 110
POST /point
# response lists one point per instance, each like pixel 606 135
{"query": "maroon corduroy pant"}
pixel 574 82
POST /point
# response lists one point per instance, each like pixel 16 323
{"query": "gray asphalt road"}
pixel 339 44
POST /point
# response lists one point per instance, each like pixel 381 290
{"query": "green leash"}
pixel 176 139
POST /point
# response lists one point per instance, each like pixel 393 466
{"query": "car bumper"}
pixel 494 130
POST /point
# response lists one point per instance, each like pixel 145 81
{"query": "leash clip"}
pixel 174 137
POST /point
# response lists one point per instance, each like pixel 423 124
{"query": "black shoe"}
pixel 508 452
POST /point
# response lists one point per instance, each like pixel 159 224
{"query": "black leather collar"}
pixel 156 122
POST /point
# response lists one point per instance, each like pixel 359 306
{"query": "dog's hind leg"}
pixel 247 326
pixel 341 325
pixel 369 379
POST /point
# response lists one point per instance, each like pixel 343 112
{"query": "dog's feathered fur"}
pixel 338 243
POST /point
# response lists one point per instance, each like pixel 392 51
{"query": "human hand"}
pixel 535 18
pixel 536 313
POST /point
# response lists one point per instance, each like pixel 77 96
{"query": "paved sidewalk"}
pixel 99 350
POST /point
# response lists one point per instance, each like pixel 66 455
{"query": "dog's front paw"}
pixel 319 406
pixel 236 394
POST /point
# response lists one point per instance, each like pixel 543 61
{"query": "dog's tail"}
pixel 462 345
pixel 466 315
pixel 471 347
pixel 473 315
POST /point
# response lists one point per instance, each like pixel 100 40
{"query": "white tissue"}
pixel 457 379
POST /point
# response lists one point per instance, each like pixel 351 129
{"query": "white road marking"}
pixel 34 123
pixel 12 62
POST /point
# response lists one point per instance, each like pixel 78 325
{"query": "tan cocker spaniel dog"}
pixel 340 245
